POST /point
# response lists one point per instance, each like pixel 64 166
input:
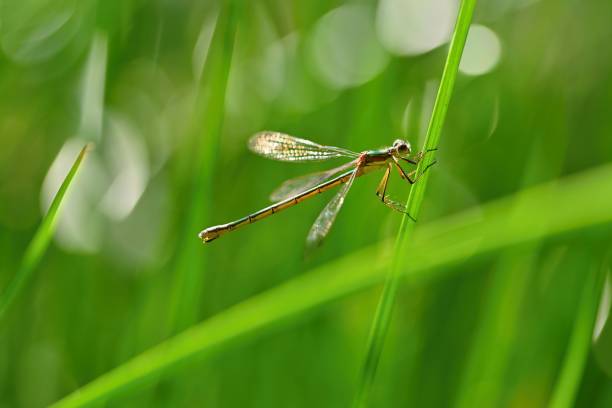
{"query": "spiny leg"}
pixel 381 192
pixel 428 166
pixel 403 173
pixel 408 177
pixel 419 156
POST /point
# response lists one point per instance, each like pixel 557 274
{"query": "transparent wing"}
pixel 279 146
pixel 324 221
pixel 297 185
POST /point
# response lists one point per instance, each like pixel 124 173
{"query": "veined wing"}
pixel 279 146
pixel 324 221
pixel 297 185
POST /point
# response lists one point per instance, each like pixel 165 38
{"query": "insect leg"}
pixel 428 166
pixel 381 192
pixel 409 176
pixel 382 186
pixel 403 173
pixel 419 156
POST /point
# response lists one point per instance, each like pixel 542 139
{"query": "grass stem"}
pixel 207 125
pixel 41 240
pixel 384 309
pixel 564 395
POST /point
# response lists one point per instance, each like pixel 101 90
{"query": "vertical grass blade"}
pixel 40 242
pixel 207 126
pixel 382 317
pixel 565 391
pixel 482 381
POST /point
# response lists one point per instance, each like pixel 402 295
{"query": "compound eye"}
pixel 402 147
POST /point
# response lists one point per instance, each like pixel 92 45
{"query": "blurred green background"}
pixel 145 81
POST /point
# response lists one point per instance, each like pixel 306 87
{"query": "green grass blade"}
pixel 491 351
pixel 41 240
pixel 565 391
pixel 487 367
pixel 384 309
pixel 207 127
pixel 448 241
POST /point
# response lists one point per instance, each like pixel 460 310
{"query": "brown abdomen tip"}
pixel 208 235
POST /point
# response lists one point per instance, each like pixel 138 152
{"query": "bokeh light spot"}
pixel 344 50
pixel 200 51
pixel 35 31
pixel 413 27
pixel 603 313
pixel 482 51
pixel 128 159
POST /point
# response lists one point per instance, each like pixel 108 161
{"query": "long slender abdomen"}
pixel 212 233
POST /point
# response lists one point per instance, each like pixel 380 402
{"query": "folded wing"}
pixel 279 146
pixel 300 184
pixel 324 221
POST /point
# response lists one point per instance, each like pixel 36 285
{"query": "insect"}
pixel 282 147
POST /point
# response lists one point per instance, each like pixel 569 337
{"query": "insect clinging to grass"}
pixel 283 147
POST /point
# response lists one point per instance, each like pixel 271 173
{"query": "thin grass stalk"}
pixel 491 351
pixel 435 246
pixel 207 124
pixel 37 247
pixel 384 309
pixel 484 378
pixel 564 395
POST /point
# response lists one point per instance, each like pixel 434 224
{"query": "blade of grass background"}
pixel 384 309
pixel 485 378
pixel 441 243
pixel 41 240
pixel 499 321
pixel 207 125
pixel 566 389
pixel 185 307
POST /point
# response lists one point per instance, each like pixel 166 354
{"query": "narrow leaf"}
pixel 384 309
pixel 564 395
pixel 41 240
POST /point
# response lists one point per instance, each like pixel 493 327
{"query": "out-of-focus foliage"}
pixel 41 239
pixel 531 105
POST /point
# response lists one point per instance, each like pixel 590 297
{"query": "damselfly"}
pixel 279 146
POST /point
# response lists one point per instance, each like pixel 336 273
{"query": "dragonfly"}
pixel 286 148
